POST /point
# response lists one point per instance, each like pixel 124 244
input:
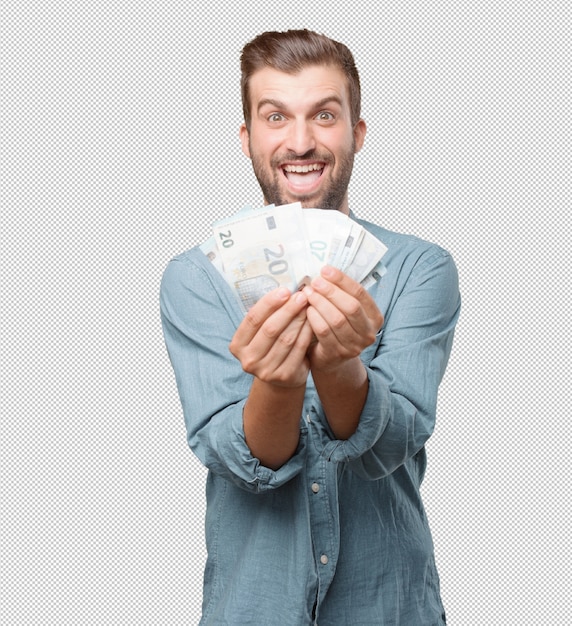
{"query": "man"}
pixel 312 410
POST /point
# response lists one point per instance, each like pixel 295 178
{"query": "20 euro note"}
pixel 323 240
pixel 366 261
pixel 262 250
pixel 343 235
pixel 350 247
pixel 374 275
pixel 209 247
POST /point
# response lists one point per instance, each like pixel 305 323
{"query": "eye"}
pixel 275 117
pixel 325 116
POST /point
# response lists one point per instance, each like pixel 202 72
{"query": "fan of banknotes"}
pixel 259 249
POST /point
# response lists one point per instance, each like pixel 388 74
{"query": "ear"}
pixel 244 139
pixel 360 130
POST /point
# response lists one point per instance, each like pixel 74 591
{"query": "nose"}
pixel 301 139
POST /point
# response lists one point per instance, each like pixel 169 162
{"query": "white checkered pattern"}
pixel 120 147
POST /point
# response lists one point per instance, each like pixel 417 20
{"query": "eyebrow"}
pixel 281 105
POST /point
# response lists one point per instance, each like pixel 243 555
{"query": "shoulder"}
pixel 191 258
pixel 406 250
pixel 188 267
pixel 414 266
pixel 190 281
pixel 403 242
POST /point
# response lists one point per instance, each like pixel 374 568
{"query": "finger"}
pixel 284 360
pixel 342 312
pixel 352 287
pixel 259 313
pixel 294 362
pixel 333 330
pixel 277 321
pixel 349 297
pixel 279 326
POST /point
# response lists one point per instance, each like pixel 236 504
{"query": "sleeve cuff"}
pixel 373 420
pixel 232 459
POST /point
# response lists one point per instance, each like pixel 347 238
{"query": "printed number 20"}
pixel 226 239
pixel 276 265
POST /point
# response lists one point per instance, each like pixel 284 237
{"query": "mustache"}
pixel 311 155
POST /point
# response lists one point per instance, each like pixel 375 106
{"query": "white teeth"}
pixel 303 169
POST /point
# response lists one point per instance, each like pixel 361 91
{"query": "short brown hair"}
pixel 292 50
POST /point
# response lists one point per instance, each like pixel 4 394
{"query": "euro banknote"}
pixel 259 249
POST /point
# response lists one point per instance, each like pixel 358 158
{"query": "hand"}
pixel 272 341
pixel 343 316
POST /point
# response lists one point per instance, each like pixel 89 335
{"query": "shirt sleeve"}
pixel 406 369
pixel 199 317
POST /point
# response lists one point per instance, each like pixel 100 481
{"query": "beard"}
pixel 330 197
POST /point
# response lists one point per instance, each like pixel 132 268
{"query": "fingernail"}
pixel 327 270
pixel 282 293
pixel 300 297
pixel 319 283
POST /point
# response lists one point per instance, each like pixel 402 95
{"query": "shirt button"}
pixel 315 487
pixel 324 559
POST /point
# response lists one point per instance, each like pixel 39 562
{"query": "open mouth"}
pixel 303 177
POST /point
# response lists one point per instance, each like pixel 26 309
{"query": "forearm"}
pixel 271 421
pixel 343 392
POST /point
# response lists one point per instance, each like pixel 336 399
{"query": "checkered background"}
pixel 120 148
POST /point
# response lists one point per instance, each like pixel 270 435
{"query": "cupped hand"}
pixel 272 341
pixel 343 316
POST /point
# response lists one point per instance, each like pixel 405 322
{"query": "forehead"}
pixel 312 84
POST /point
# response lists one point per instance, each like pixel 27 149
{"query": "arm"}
pixel 271 345
pixel 405 366
pixel 409 364
pixel 344 319
pixel 200 315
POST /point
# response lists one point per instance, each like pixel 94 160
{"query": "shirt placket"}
pixel 324 520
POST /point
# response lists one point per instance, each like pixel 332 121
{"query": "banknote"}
pixel 209 247
pixel 374 275
pixel 210 250
pixel 259 249
pixel 324 240
pixel 263 249
pixel 350 247
pixel 366 258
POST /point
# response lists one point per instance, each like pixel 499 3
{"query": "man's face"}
pixel 301 139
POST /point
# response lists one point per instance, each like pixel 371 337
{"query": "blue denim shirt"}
pixel 338 535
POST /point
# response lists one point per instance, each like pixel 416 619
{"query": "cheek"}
pixel 264 142
pixel 338 141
